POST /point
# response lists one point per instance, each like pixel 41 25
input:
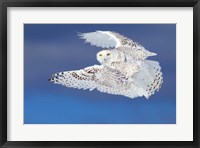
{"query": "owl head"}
pixel 104 57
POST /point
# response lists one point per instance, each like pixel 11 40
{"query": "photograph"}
pixel 99 74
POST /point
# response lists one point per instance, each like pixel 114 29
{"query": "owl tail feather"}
pixel 149 78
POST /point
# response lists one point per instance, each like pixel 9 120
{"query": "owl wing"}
pixel 110 39
pixel 80 79
pixel 106 39
pixel 99 77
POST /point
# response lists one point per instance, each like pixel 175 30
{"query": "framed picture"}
pixel 104 73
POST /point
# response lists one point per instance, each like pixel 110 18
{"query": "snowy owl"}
pixel 123 70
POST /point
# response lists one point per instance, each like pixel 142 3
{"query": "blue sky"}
pixel 51 48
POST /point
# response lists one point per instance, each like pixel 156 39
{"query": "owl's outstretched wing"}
pixel 81 79
pixel 110 39
pixel 99 77
pixel 106 39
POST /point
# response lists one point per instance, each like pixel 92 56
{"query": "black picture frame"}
pixel 4 4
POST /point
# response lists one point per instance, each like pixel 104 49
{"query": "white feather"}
pixel 99 39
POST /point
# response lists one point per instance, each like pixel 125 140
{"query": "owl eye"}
pixel 108 54
pixel 100 55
